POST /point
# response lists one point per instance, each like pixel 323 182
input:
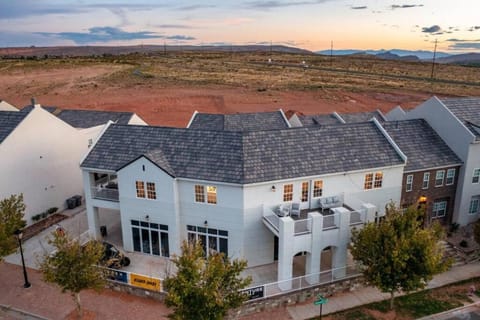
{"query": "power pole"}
pixel 331 53
pixel 433 60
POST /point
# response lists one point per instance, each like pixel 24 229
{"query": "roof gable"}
pixel 467 110
pixel 421 144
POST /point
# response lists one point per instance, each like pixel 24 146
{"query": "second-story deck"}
pixel 303 223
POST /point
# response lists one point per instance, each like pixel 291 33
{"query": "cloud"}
pixel 173 26
pixel 462 40
pixel 180 37
pixel 196 7
pixel 359 7
pixel 474 28
pixel 271 4
pixel 465 45
pixel 433 29
pixel 25 8
pixel 404 6
pixel 107 34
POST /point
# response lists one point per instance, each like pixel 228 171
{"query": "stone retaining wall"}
pixel 287 299
pixel 120 287
pixel 292 298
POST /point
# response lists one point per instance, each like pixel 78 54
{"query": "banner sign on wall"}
pixel 145 282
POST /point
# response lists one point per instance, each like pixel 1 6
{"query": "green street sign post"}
pixel 320 301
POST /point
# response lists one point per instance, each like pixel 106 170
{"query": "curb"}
pixel 436 315
pixel 20 314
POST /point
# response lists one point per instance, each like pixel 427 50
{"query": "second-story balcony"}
pixel 105 187
pixel 303 224
pixel 109 194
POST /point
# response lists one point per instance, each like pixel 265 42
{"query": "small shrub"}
pixel 52 210
pixel 44 214
pixel 454 227
pixel 36 217
pixel 463 244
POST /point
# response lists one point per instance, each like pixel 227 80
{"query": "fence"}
pixel 302 282
pixel 133 279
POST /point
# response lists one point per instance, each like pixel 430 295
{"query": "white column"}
pixel 370 210
pixel 313 259
pixel 92 212
pixel 339 259
pixel 285 251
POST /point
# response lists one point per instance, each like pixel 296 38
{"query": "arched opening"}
pixel 299 264
pixel 327 258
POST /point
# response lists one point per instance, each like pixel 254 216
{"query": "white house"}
pixel 259 195
pixel 457 122
pixel 40 155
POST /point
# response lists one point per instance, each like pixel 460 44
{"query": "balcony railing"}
pixel 109 194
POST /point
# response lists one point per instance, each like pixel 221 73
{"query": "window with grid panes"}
pixel 199 193
pixel 151 192
pixel 317 188
pixel 140 186
pixel 288 192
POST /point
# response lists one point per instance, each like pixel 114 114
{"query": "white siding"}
pixel 40 159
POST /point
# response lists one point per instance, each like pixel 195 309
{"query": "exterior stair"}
pixel 449 251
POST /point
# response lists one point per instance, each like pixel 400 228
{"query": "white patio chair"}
pixel 295 211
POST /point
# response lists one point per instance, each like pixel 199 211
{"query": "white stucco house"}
pixel 262 195
pixel 457 122
pixel 40 154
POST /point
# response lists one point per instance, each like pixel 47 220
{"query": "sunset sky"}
pixel 309 24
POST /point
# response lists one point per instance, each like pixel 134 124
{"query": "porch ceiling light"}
pixel 422 199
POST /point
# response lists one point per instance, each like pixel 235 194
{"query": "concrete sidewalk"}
pixel 46 300
pixel 365 295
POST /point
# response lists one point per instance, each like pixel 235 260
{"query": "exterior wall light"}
pixel 274 189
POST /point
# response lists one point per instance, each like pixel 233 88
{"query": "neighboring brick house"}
pixel 431 174
pixel 457 122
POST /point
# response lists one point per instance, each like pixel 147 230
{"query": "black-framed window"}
pixel 211 238
pixel 150 238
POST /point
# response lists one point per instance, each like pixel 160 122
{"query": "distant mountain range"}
pixel 421 54
pixel 410 55
pixel 76 51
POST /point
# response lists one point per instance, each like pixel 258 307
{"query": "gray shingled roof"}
pixel 467 110
pixel 92 118
pixel 245 157
pixel 318 119
pixel 421 144
pixel 362 116
pixel 239 121
pixel 9 120
pixel 82 119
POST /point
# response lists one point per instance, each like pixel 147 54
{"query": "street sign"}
pixel 321 300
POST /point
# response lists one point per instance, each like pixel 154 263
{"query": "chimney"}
pixel 34 103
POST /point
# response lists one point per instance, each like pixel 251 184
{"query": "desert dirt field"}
pixel 166 89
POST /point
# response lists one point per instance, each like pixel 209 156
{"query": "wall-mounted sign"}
pixel 116 275
pixel 255 292
pixel 145 282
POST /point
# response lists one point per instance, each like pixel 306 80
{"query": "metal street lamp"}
pixel 19 234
